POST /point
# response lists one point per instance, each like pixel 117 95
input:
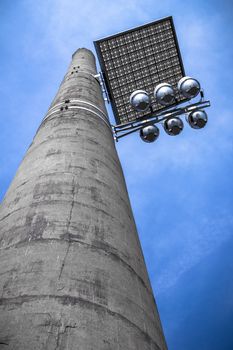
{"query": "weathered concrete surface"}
pixel 72 271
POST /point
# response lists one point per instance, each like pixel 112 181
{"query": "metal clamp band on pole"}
pixel 75 105
pixel 74 101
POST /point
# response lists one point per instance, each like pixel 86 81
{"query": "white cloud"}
pixel 192 246
pixel 71 24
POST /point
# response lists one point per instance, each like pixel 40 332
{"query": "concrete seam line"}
pixel 74 300
pixel 99 249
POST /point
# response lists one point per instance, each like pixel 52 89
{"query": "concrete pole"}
pixel 72 270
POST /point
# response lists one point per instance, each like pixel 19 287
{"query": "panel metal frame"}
pixel 104 69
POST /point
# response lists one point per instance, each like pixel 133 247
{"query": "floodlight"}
pixel 197 119
pixel 164 94
pixel 143 77
pixel 173 126
pixel 140 59
pixel 140 100
pixel 189 87
pixel 149 133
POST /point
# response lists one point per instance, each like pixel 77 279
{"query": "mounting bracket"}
pixel 100 78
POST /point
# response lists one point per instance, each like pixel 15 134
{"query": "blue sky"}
pixel 180 187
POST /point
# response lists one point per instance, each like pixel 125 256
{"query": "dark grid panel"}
pixel 140 59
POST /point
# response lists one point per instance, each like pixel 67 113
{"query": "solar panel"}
pixel 140 59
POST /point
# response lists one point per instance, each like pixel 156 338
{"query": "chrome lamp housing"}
pixel 173 126
pixel 164 94
pixel 140 100
pixel 149 133
pixel 189 87
pixel 197 119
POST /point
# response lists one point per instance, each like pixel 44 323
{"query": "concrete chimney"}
pixel 72 270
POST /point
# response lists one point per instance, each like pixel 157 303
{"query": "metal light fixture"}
pixel 149 133
pixel 129 63
pixel 173 126
pixel 189 87
pixel 149 87
pixel 140 100
pixel 197 119
pixel 164 94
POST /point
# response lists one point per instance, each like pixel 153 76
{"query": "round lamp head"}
pixel 140 100
pixel 197 119
pixel 173 126
pixel 149 133
pixel 189 87
pixel 164 94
